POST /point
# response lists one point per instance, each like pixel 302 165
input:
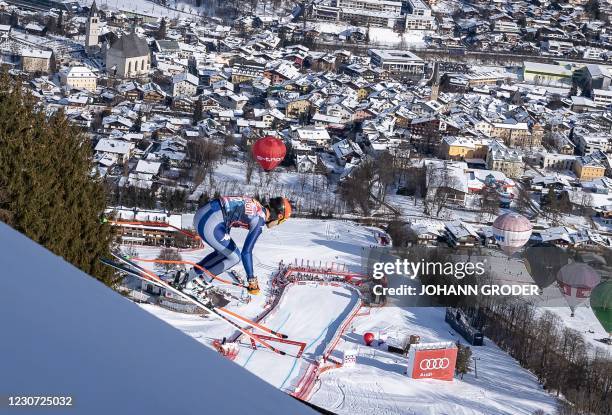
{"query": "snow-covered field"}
pixel 378 35
pixel 144 7
pixel 305 319
pixel 377 383
pixel 179 9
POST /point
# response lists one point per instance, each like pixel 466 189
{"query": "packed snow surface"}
pixel 305 320
pixel 377 384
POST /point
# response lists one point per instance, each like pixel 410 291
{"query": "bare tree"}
pixel 302 180
pixel 523 200
pixel 204 154
pixel 356 189
pixel 441 188
pixel 385 171
pixel 249 166
pixel 169 254
pixel 490 201
pixel 586 202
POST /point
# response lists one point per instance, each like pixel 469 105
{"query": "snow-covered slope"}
pixel 308 321
pixel 378 380
pixel 64 333
pixel 377 384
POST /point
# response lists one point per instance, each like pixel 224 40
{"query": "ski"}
pixel 237 277
pixel 151 277
pixel 139 275
pixel 237 316
pixel 195 265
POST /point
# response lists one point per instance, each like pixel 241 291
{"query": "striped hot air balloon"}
pixel 543 262
pixel 576 280
pixel 511 231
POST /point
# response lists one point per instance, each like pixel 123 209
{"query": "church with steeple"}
pixel 128 57
pixel 92 29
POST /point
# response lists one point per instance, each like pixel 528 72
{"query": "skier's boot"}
pixel 253 287
pixel 179 280
pixel 196 283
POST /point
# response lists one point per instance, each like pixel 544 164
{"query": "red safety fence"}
pixel 306 384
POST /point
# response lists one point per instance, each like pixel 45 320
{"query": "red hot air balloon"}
pixel 269 152
pixel 368 338
pixel 576 280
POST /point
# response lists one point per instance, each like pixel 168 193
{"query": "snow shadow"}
pixel 329 332
pixel 345 295
pixel 387 367
pixel 344 247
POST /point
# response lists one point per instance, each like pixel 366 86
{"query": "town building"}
pixel 507 160
pixel 397 62
pixel 588 168
pixel 79 77
pixel 128 57
pixel 546 74
pixel 185 84
pixel 35 60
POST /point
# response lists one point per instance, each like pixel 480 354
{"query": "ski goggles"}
pixel 275 222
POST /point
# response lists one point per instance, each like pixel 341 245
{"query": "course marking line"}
pixel 253 351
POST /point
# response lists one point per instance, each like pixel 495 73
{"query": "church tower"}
pixel 92 28
pixel 435 86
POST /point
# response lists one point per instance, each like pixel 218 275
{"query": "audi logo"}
pixel 431 364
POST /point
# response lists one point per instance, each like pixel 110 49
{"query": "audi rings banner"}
pixel 432 361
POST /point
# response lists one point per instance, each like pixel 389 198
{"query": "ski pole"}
pixel 154 278
pixel 238 316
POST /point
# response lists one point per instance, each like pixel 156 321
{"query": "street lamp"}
pixel 475 366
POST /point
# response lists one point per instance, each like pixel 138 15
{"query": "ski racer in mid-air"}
pixel 214 221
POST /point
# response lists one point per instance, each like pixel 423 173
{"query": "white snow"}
pixel 377 384
pixel 305 320
pixel 378 35
pixel 142 7
pixel 378 381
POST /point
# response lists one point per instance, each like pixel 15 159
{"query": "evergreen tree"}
pixel 60 23
pixel 464 357
pixel 46 188
pixel 161 32
pixel 197 112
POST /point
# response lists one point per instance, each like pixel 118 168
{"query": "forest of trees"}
pixel 46 188
pixel 559 356
pixel 564 363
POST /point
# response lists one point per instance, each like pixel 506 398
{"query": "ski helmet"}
pixel 280 206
